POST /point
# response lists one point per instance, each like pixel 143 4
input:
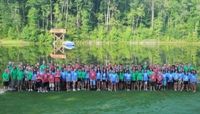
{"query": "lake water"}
pixel 103 54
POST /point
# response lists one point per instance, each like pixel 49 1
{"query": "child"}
pixel 33 80
pixel 63 78
pixel 51 81
pixel 20 77
pixel 74 79
pixel 5 78
pixel 98 72
pixel 30 76
pixel 14 77
pixel 114 81
pixel 127 80
pixel 164 81
pixel 175 78
pixel 152 81
pixel 159 80
pixel 180 80
pixel 79 73
pixel 39 82
pixel 193 81
pixel 121 79
pixel 57 80
pixel 92 79
pixel 104 79
pixel 139 80
pixel 145 80
pixel 185 82
pixel 45 81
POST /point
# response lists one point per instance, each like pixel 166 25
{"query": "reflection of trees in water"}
pixel 118 53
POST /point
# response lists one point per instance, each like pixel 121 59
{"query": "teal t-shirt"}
pixel 20 75
pixel 5 76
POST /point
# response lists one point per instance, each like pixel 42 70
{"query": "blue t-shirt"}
pixel 170 77
pixel 145 77
pixel 103 76
pixel 127 76
pixel 109 75
pixel 193 78
pixel 74 75
pixel 185 78
pixel 68 76
pixel 98 75
pixel 114 77
pixel 34 77
pixel 175 76
pixel 63 77
pixel 180 76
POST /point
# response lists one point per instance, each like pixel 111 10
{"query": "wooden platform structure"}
pixel 58 49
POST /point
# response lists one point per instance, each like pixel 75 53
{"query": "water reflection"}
pixel 118 53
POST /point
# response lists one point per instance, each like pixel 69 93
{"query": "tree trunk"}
pixel 51 14
pixel 108 16
pixel 152 14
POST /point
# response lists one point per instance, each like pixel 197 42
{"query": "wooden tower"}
pixel 58 49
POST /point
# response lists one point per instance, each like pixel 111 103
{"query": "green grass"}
pixel 92 102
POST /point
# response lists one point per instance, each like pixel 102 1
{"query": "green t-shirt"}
pixel 185 68
pixel 121 76
pixel 149 72
pixel 139 76
pixel 30 75
pixel 84 74
pixel 5 76
pixel 20 75
pixel 14 74
pixel 42 67
pixel 79 73
pixel 133 76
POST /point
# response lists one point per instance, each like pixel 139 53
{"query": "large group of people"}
pixel 47 77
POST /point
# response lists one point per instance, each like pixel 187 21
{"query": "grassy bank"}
pixel 8 42
pixel 92 102
pixel 138 42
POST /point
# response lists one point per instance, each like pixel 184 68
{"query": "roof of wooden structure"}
pixel 55 30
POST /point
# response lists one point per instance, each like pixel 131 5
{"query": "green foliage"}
pixel 101 19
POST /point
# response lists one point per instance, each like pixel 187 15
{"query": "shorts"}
pixel 6 83
pixel 13 82
pixel 19 82
pixel 39 84
pixel 113 82
pixel 80 79
pixel 133 81
pixel 51 85
pixel 68 80
pixel 185 82
pixel 92 82
pixel 175 81
pixel 145 82
pixel 45 84
pixel 128 82
pixel 152 83
pixel 87 80
pixel 98 80
pixel 121 81
pixel 104 81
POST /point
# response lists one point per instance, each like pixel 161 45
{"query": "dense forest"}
pixel 101 19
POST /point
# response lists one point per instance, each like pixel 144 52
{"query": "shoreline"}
pixel 147 42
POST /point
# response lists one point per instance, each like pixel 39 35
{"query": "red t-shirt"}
pixel 39 78
pixel 51 78
pixel 57 77
pixel 93 75
pixel 45 78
